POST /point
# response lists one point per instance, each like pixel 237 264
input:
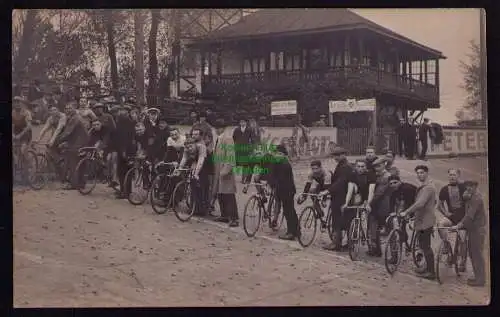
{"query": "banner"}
pixel 352 105
pixel 279 108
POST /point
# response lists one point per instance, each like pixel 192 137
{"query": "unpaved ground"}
pixel 75 251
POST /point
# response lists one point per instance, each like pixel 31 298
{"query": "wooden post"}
pixel 426 71
pixel 139 56
pixel 436 77
pixel 421 71
pixel 374 125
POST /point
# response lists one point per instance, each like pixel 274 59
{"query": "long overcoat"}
pixel 224 181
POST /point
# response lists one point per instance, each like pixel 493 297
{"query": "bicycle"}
pixel 49 168
pixel 394 245
pixel 140 175
pixel 456 257
pixel 183 192
pixel 311 215
pixel 91 169
pixel 161 187
pixel 22 162
pixel 271 212
pixel 358 232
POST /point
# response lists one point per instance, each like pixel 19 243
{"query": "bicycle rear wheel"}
pixel 183 204
pixel 88 170
pixel 393 251
pixel 308 224
pixel 354 239
pixel 138 194
pixel 158 194
pixel 251 216
pixel 329 227
pixel 444 262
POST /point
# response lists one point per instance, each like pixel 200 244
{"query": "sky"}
pixel 446 30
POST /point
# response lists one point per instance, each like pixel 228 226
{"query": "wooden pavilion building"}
pixel 316 56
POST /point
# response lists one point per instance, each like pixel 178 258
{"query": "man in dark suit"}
pixel 400 132
pixel 338 191
pixel 123 140
pixel 72 138
pixel 423 134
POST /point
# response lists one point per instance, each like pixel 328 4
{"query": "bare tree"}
pixel 23 53
pixel 153 58
pixel 139 57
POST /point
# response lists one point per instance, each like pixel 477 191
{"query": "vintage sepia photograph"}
pixel 250 157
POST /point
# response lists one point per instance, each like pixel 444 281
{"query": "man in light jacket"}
pixel 224 182
pixel 425 218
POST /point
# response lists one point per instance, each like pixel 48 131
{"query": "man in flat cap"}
pixel 379 207
pixel 475 223
pixel 338 191
pixel 224 181
pixel 123 145
pixel 423 210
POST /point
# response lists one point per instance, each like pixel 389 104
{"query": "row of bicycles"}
pixel 263 207
pixel 170 188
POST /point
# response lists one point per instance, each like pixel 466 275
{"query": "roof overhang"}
pixel 197 43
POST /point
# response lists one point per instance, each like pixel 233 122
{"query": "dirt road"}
pixel 75 251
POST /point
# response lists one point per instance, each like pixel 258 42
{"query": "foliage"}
pixel 471 71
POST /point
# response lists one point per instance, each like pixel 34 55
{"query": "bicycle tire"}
pixel 438 271
pixel 353 239
pixel 128 175
pixel 417 253
pixel 43 170
pixel 308 213
pixel 460 255
pixel 329 226
pixel 248 232
pixel 159 208
pixel 183 189
pixel 31 179
pixel 398 244
pixel 90 166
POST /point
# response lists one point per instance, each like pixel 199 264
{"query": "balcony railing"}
pixel 289 78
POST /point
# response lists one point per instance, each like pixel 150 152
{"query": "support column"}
pixel 425 72
pixel 421 71
pixel 437 75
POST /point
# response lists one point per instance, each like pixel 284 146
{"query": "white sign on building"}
pixel 352 105
pixel 279 108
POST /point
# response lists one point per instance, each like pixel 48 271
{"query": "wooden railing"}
pixel 289 78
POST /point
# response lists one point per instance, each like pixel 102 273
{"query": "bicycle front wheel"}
pixel 417 253
pixel 252 216
pixel 32 174
pixel 138 192
pixel 160 202
pixel 183 204
pixel 354 239
pixel 444 261
pixel 393 251
pixel 87 171
pixel 308 226
pixel 460 251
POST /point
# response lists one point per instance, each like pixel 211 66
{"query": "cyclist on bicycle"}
pixel 21 123
pixel 451 205
pixel 360 190
pixel 99 136
pixel 402 197
pixel 321 178
pixel 55 123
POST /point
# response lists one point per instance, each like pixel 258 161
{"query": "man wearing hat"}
pixel 379 207
pixel 242 137
pixel 423 210
pixel 338 191
pixel 475 223
pixel 224 182
pixel 21 123
pixel 159 147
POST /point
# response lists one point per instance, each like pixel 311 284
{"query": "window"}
pixel 296 62
pixel 262 65
pixel 389 67
pixel 273 61
pixel 281 60
pixel 367 59
pixel 381 65
pixel 431 79
pixel 246 66
pixel 347 57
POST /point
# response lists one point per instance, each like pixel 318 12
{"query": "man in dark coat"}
pixel 410 134
pixel 338 191
pixel 72 138
pixel 242 137
pixel 123 138
pixel 401 134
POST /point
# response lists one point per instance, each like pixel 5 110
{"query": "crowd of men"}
pixel 123 131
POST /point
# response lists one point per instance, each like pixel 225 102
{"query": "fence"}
pixel 355 140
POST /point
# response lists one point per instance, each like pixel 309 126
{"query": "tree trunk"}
pixel 139 56
pixel 109 21
pixel 24 50
pixel 153 59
